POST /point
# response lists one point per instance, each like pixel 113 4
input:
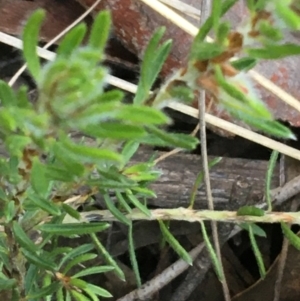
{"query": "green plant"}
pixel 46 163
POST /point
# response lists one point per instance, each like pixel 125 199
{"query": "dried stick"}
pixel 205 13
pixel 290 169
pixel 189 215
pixel 285 244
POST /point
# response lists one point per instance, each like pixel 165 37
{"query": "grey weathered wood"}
pixel 235 182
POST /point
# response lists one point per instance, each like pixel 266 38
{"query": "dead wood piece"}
pixel 234 182
pixel 59 15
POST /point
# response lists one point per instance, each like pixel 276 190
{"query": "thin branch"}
pixel 189 215
pixel 193 30
pixel 205 13
pixel 215 121
pixel 287 167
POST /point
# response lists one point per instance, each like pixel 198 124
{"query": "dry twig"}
pixel 205 12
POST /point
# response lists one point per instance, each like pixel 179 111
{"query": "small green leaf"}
pixel 115 211
pixel 100 30
pixel 22 238
pixel 241 104
pixel 214 258
pixel 73 228
pixel 59 173
pixel 269 174
pixel 71 211
pixel 132 255
pixel 114 130
pixel 39 181
pixel 258 256
pixel 216 12
pixel 45 291
pixel 77 260
pixel 269 31
pixel 71 41
pixel 30 40
pixel 5 258
pixel 76 252
pixel 137 168
pixel 30 277
pixel 122 201
pixel 79 296
pixel 60 251
pixel 173 242
pixel 7 95
pixel 93 296
pixel 175 140
pixel 290 235
pixel 142 115
pixel 144 192
pixel 260 4
pixel 7 284
pixel 7 121
pixel 128 150
pixel 206 50
pixel 274 51
pixel 106 184
pixel 90 154
pixel 22 98
pixel 255 229
pixel 133 199
pixel 271 127
pixel 245 63
pixel 60 295
pixel 15 144
pixel 9 211
pixel 153 60
pixel 223 31
pixel 62 155
pixel 68 296
pixel 45 204
pixel 99 291
pixel 250 210
pixel 114 174
pixel 286 13
pixel 93 270
pixel 39 261
pixel 181 92
pixel 107 257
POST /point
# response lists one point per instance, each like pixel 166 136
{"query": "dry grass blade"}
pixel 183 7
pixel 239 131
pixel 193 30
